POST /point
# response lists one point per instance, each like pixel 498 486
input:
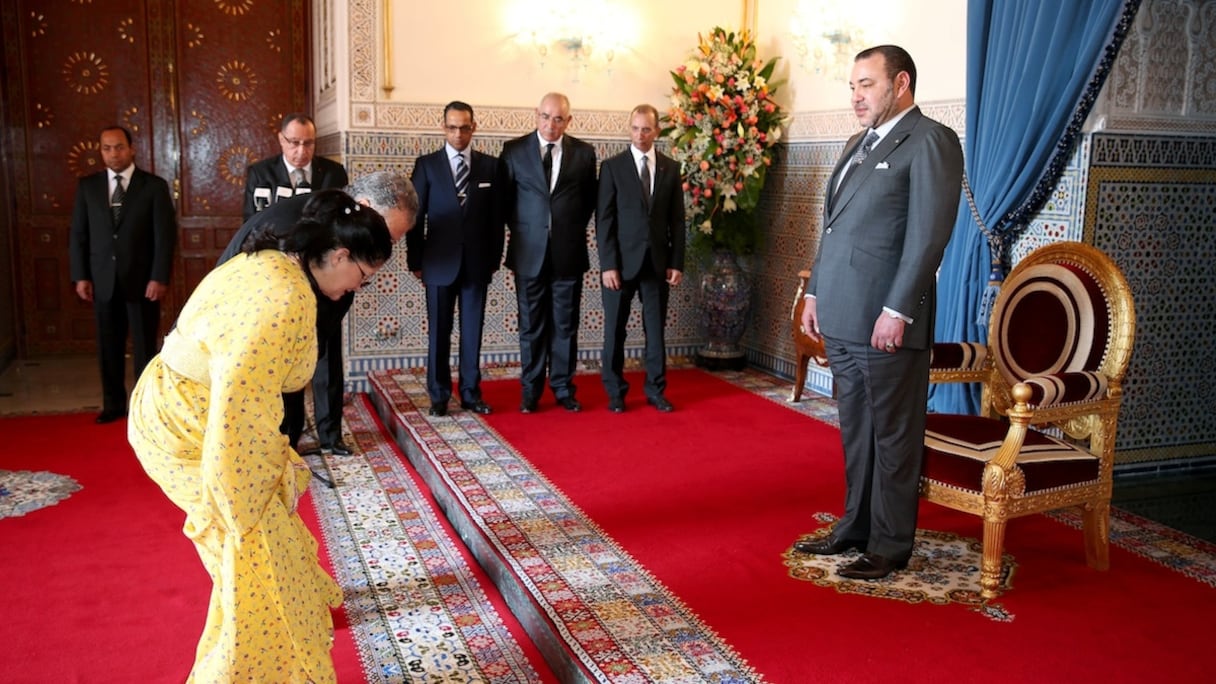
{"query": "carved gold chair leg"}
pixel 994 549
pixel 799 377
pixel 1096 520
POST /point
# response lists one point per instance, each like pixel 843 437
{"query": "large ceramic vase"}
pixel 725 307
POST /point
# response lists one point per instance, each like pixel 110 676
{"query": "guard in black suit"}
pixel 549 197
pixel 121 243
pixel 457 254
pixel 295 172
pixel 390 195
pixel 639 228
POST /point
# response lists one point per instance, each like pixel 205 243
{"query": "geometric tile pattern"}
pixel 1157 223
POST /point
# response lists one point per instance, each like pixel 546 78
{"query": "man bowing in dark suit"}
pixel 639 227
pixel 456 254
pixel 548 200
pixel 889 211
pixel 121 242
pixel 295 172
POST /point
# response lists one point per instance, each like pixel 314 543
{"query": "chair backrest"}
pixel 1065 308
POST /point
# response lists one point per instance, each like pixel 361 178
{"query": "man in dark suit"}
pixel 295 172
pixel 389 194
pixel 121 242
pixel 889 212
pixel 639 227
pixel 457 255
pixel 549 196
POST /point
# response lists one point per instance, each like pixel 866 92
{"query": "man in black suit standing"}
pixel 295 172
pixel 639 228
pixel 121 243
pixel 390 195
pixel 457 254
pixel 549 196
pixel 889 212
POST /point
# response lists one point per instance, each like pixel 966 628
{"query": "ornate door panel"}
pixel 200 85
pixel 242 66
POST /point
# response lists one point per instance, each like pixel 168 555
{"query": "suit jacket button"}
pixel 828 231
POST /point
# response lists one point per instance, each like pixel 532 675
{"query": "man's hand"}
pixel 155 291
pixel 810 319
pixel 888 335
pixel 611 279
pixel 84 290
pixel 674 277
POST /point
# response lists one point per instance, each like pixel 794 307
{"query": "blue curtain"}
pixel 1034 70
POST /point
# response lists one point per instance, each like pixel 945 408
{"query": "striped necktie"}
pixel 117 198
pixel 462 179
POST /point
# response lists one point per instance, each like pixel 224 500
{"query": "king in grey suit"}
pixel 890 208
pixel 547 205
pixel 121 253
pixel 639 229
pixel 457 254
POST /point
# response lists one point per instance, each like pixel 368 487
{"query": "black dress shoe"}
pixel 871 566
pixel 570 404
pixel 616 405
pixel 339 448
pixel 527 405
pixel 660 402
pixel 438 410
pixel 477 406
pixel 109 417
pixel 829 545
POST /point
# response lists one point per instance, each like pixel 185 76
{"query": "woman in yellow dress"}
pixel 204 423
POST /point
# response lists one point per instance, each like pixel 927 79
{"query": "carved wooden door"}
pixel 201 85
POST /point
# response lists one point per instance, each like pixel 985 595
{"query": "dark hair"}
pixel 330 220
pixel 897 60
pixel 296 117
pixel 459 106
pixel 116 127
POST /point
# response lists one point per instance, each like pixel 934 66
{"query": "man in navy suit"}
pixel 548 197
pixel 390 195
pixel 639 228
pixel 456 255
pixel 295 172
pixel 890 208
pixel 121 243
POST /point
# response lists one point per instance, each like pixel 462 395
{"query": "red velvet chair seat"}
pixel 958 446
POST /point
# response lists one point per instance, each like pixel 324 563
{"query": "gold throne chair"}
pixel 1059 343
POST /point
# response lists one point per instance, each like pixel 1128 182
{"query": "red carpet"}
pixel 708 499
pixel 102 587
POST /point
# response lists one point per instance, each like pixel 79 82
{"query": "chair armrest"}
pixel 1058 389
pixel 958 362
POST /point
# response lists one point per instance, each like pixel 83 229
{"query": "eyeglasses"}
pixel 464 130
pixel 297 144
pixel 367 278
pixel 559 120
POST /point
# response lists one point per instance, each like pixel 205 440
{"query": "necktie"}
pixel 298 180
pixel 858 157
pixel 644 176
pixel 462 179
pixel 548 163
pixel 116 199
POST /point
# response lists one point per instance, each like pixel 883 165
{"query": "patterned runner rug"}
pixel 669 576
pixel 419 608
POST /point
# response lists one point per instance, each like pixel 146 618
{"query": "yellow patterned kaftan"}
pixel 204 422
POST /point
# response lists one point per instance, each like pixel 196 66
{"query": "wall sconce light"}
pixel 587 36
pixel 825 40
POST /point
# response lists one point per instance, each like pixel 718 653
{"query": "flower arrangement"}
pixel 722 126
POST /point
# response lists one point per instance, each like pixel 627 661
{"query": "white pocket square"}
pixel 483 185
pixel 882 165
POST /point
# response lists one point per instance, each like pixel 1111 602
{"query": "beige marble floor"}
pixel 59 384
